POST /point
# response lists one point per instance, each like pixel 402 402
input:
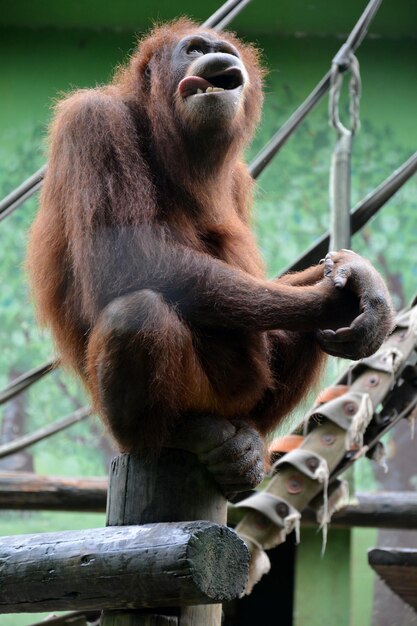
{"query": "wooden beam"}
pixel 398 569
pixel 30 492
pixel 385 509
pixel 122 567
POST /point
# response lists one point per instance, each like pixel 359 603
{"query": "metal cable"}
pixel 230 16
pixel 44 433
pixel 225 14
pixel 26 380
pixel 340 166
pixel 19 195
pixel 341 58
pixel 360 215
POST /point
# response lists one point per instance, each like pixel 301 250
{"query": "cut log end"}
pixel 216 577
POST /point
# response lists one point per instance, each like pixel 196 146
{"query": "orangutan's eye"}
pixel 195 48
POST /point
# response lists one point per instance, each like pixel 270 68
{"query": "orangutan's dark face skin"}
pixel 211 79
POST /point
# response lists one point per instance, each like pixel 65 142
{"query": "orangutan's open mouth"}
pixel 227 80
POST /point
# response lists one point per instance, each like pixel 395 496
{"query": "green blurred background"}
pixel 48 48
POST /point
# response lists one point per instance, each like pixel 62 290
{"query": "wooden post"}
pixel 174 487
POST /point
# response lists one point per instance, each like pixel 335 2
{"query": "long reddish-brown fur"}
pixel 143 265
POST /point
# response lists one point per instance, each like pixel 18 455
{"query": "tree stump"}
pixel 174 487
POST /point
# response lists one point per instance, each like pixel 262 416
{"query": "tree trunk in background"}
pixel 13 426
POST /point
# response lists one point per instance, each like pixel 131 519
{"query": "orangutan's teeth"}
pixel 200 90
pixel 211 89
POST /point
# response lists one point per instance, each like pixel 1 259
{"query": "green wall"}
pixel 39 63
pixel 316 17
